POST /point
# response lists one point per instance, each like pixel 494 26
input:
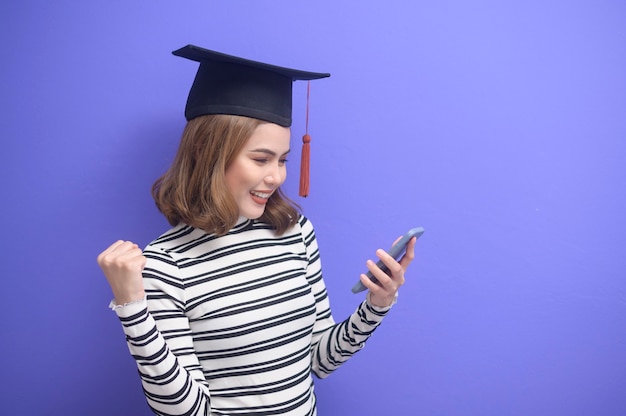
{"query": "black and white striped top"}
pixel 235 325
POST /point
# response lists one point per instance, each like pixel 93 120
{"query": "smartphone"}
pixel 396 251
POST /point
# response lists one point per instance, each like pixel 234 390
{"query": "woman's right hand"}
pixel 122 263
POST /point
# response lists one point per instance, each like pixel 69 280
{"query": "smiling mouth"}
pixel 262 195
pixel 260 198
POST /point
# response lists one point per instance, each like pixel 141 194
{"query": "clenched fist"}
pixel 122 263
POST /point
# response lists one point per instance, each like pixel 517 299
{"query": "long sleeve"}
pixel 334 343
pixel 170 373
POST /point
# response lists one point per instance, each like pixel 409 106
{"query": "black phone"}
pixel 396 251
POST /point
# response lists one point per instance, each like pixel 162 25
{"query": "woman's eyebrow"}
pixel 267 151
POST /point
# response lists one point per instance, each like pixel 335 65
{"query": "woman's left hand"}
pixel 383 293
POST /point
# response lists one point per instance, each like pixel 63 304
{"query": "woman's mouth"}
pixel 260 197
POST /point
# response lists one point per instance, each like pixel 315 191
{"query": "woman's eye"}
pixel 283 161
pixel 260 160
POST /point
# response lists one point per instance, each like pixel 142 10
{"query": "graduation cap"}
pixel 226 84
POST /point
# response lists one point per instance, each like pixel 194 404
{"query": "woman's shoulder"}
pixel 305 227
pixel 176 237
pixel 302 222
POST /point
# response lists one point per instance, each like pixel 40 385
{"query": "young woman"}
pixel 227 312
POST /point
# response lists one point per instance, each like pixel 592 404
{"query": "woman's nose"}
pixel 274 175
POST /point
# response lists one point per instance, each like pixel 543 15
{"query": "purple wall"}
pixel 501 129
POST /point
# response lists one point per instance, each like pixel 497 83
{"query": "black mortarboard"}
pixel 226 84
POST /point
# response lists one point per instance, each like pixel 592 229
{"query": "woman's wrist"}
pixel 131 298
pixel 117 305
pixel 378 303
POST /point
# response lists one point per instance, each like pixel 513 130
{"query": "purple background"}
pixel 498 126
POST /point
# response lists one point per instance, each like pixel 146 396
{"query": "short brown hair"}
pixel 194 191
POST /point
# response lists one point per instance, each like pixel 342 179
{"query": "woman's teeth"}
pixel 260 194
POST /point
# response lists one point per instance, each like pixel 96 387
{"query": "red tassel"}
pixel 305 163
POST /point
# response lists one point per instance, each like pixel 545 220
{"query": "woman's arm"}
pixel 333 344
pixel 157 330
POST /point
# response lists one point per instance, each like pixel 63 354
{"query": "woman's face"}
pixel 259 169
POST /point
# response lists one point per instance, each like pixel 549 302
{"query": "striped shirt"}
pixel 237 324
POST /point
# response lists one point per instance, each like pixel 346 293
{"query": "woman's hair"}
pixel 194 191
